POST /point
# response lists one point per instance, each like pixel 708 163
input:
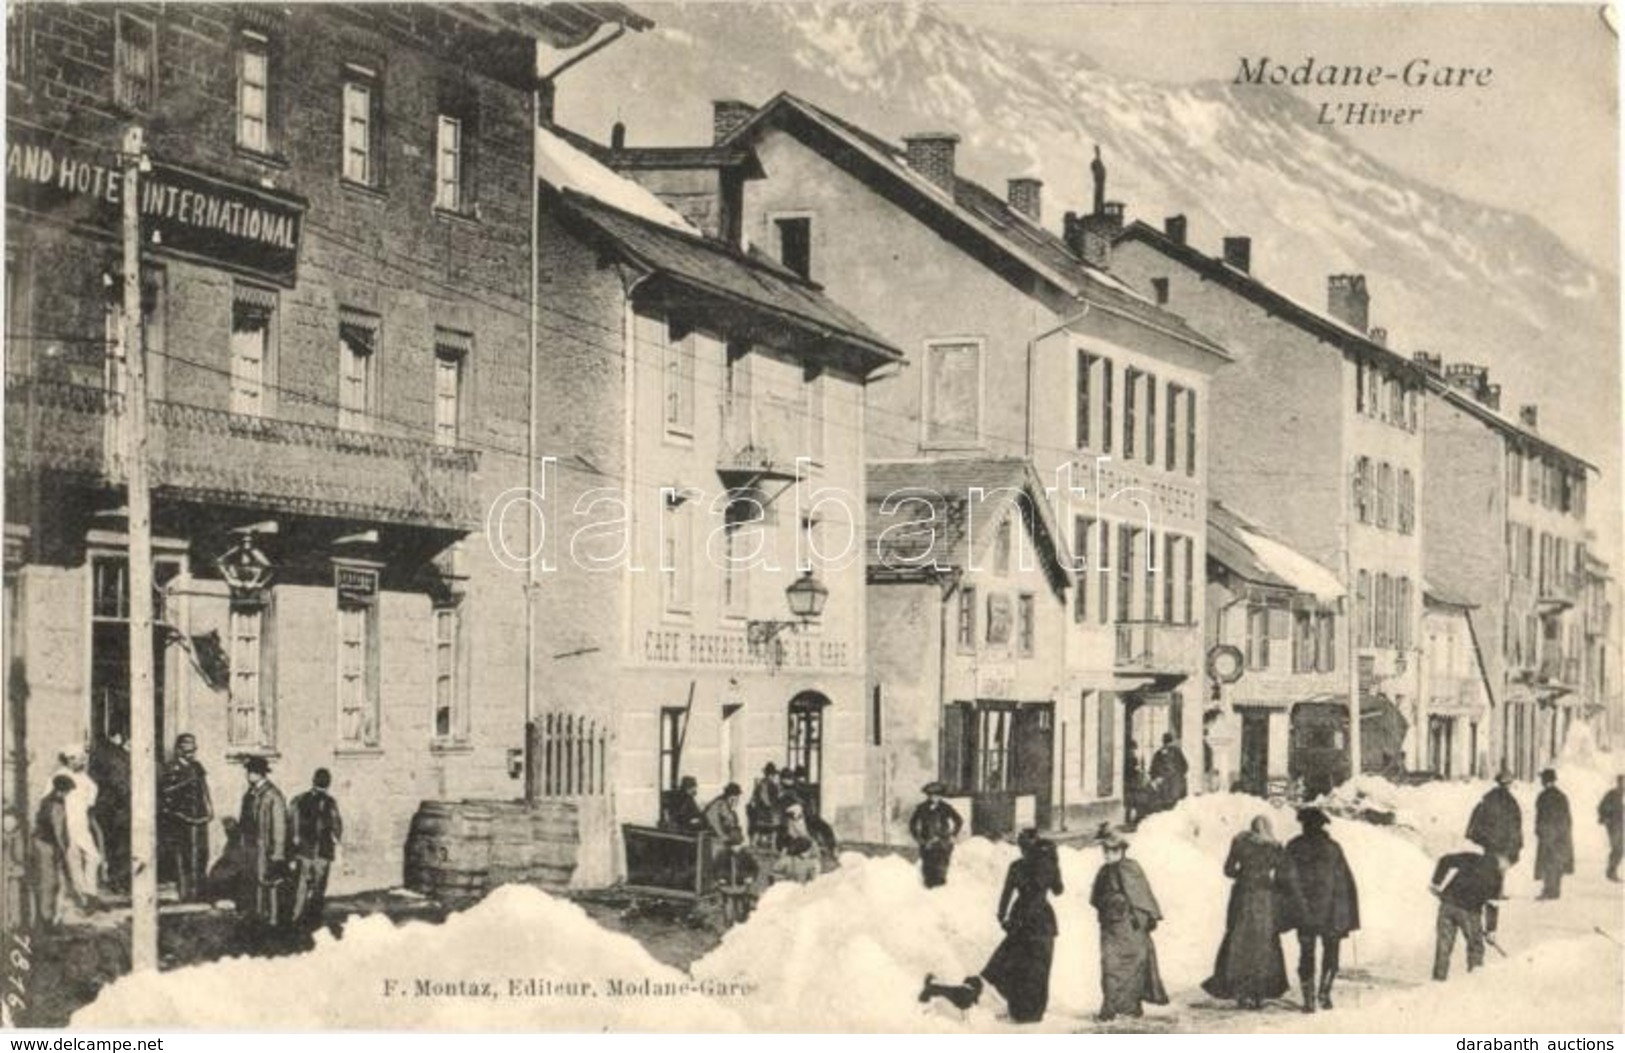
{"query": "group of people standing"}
pixel 274 865
pixel 779 819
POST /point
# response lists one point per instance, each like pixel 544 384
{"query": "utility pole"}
pixel 143 723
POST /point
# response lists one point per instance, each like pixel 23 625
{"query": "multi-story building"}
pixel 1021 349
pixel 1453 733
pixel 707 480
pixel 1505 530
pixel 336 217
pixel 1316 433
pixel 1275 634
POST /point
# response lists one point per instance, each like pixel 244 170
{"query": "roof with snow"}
pixel 1243 283
pixel 974 217
pixel 1507 426
pixel 1249 552
pixel 967 496
pixel 1438 596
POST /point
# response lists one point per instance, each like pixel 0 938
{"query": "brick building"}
pixel 336 258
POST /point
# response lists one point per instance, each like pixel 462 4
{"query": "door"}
pixel 1034 757
pixel 1255 751
pixel 804 752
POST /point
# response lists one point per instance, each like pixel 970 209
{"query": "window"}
pixel 1385 495
pixel 953 394
pixel 135 63
pixel 735 594
pixel 1003 539
pixel 967 618
pixel 1149 554
pixel 795 243
pixel 1303 642
pixel 993 748
pixel 249 723
pixel 254 92
pixel 450 705
pixel 19 47
pixel 1170 440
pixel 251 347
pixel 1106 405
pixel 1086 368
pixel 998 619
pixel 1326 642
pixel 1159 289
pixel 1361 395
pixel 358 656
pixel 1105 757
pixel 1082 530
pixel 451 356
pixel 449 152
pixel 816 393
pixel 804 746
pixel 358 368
pixel 673 723
pixel 1407 502
pixel 679 380
pixel 1362 608
pixel 1258 637
pixel 1127 542
pixel 1105 564
pixel 1026 627
pixel 1190 432
pixel 677 557
pixel 1402 613
pixel 1170 544
pixel 1190 581
pixel 1150 419
pixel 361 145
pixel 1382 632
pixel 1131 387
pixel 1362 490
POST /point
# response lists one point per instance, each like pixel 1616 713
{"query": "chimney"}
pixel 1468 377
pixel 1026 197
pixel 1347 301
pixel 1238 253
pixel 726 117
pixel 1432 363
pixel 1090 237
pixel 1529 416
pixel 932 155
pixel 1379 335
pixel 1174 227
pixel 1492 396
pixel 617 136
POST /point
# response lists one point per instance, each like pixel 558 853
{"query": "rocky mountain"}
pixel 1449 275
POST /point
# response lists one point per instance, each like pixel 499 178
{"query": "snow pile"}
pixel 516 934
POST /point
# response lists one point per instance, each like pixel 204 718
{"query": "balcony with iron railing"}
pixel 203 454
pixel 1153 647
pixel 759 441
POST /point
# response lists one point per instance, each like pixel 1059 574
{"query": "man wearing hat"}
pixel 318 828
pixel 765 806
pixel 934 826
pixel 680 808
pixel 185 811
pixel 263 828
pixel 1328 905
pixel 1497 821
pixel 1554 837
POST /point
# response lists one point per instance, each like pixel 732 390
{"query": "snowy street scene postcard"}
pixel 783 517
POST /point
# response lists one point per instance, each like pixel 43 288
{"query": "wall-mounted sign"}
pixel 183 213
pixel 245 567
pixel 357 587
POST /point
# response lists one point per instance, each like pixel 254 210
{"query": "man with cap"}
pixel 1328 904
pixel 934 826
pixel 1467 884
pixel 1554 837
pixel 680 809
pixel 317 830
pixel 1497 821
pixel 722 818
pixel 263 827
pixel 765 807
pixel 185 811
pixel 1168 771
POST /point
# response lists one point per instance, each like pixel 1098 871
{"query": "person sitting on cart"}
pixel 730 862
pixel 680 808
pixel 765 811
pixel 799 850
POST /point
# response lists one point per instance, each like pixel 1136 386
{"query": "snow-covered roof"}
pixel 1249 551
pixel 563 167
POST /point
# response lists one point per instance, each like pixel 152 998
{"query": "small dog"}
pixel 961 995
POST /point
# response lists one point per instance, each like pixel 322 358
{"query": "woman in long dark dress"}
pixel 1128 913
pixel 1250 967
pixel 1019 968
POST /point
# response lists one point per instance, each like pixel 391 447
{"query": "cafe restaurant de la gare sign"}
pixel 183 212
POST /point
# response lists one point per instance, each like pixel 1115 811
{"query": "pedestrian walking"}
pixel 934 826
pixel 84 847
pixel 1019 968
pixel 1128 914
pixel 1329 905
pixel 317 828
pixel 185 811
pixel 50 862
pixel 1466 883
pixel 764 814
pixel 263 827
pixel 1611 814
pixel 1250 967
pixel 1554 837
pixel 1496 824
pixel 680 810
pixel 1169 769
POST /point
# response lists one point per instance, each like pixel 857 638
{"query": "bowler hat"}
pixel 1313 817
pixel 688 782
pixel 257 766
pixel 1549 775
pixel 1503 776
pixel 934 789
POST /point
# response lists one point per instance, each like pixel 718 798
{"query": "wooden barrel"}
pixel 448 849
pixel 512 847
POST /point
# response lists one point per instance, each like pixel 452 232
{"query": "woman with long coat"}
pixel 1019 968
pixel 1128 914
pixel 1250 967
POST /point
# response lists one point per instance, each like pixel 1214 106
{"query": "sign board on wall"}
pixel 183 212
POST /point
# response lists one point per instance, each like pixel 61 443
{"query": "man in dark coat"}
pixel 934 826
pixel 1168 770
pixel 263 825
pixel 1611 814
pixel 1497 821
pixel 317 828
pixel 1554 837
pixel 109 768
pixel 184 813
pixel 1328 904
pixel 680 810
pixel 1466 884
pixel 765 810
